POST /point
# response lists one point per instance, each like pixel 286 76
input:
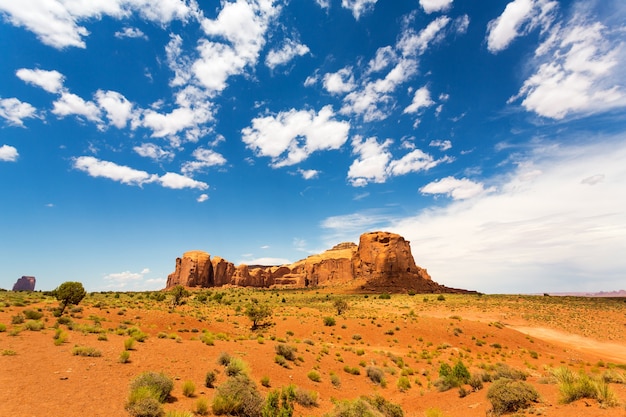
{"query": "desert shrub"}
pixel 385 296
pixel 64 320
pixel 403 384
pixel 143 402
pixel 3 327
pixel 502 370
pixel 280 359
pixel 376 375
pixel 335 380
pixel 509 396
pixel 8 352
pixel 329 321
pixel 476 382
pixel 159 383
pixel 189 388
pixel 279 403
pixel 265 381
pixel 224 358
pixel 353 370
pixel 286 351
pixel 137 334
pixel 86 351
pixel 208 338
pixel 32 314
pixel 434 412
pixel 236 366
pixel 314 376
pixel 202 407
pixel 18 319
pixel 124 357
pixel 209 379
pixel 128 343
pixel 573 387
pixel 306 398
pixel 33 325
pixel 178 294
pixel 387 408
pixel 441 297
pixel 178 413
pixel 354 408
pixel 237 396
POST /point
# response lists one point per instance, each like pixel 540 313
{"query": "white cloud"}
pixel 358 7
pixel 339 82
pixel 458 189
pixel 152 151
pixel 205 158
pixel 15 111
pixel 117 108
pixel 97 168
pixel 8 153
pixel 579 70
pixel 443 145
pixel 131 281
pixel 375 162
pixel 57 22
pixel 289 50
pixel 431 6
pixel 385 56
pixel 177 182
pixel 324 4
pixel 461 24
pixel 132 33
pixel 518 18
pixel 51 81
pixel 202 198
pixel 421 100
pixel 412 44
pixel 71 104
pixel 290 137
pixel 308 174
pixel 174 122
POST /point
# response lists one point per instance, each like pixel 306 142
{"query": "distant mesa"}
pixel 25 284
pixel 382 262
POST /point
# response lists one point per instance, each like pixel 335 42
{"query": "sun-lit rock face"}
pixel 381 262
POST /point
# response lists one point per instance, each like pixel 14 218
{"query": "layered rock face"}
pixel 25 284
pixel 381 262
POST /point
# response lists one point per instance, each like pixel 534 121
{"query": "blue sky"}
pixel 490 134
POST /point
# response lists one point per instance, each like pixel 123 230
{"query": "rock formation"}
pixel 381 262
pixel 25 284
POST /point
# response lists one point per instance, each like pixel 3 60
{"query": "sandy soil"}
pixel 41 379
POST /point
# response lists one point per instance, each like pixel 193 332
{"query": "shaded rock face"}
pixel 381 262
pixel 25 284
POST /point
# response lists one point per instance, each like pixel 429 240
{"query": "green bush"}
pixel 3 327
pixel 159 383
pixel 387 408
pixel 238 396
pixel 286 351
pixel 124 357
pixel 509 396
pixel 189 388
pixel 258 314
pixel 202 407
pixel 314 376
pixel 265 381
pixel 33 325
pixel 224 359
pixel 236 366
pixel 86 351
pixel 209 379
pixel 143 402
pixel 128 343
pixel 376 406
pixel 306 398
pixel 502 370
pixel 69 293
pixel 329 321
pixel 33 315
pixel 279 403
pixel 573 387
pixel 376 375
pixel 403 384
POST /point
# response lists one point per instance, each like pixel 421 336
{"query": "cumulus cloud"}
pixel 421 100
pixel 308 174
pixel 131 281
pixel 51 81
pixel 290 137
pixel 358 7
pixel 375 162
pixel 71 104
pixel 154 152
pixel 15 111
pixel 117 108
pixel 443 145
pixel 8 153
pixel 205 158
pixel 289 50
pixel 518 18
pixel 202 198
pixel 339 82
pixel 57 23
pixel 132 33
pixel 126 175
pixel 579 70
pixel 457 189
pixel 413 43
pixel 431 6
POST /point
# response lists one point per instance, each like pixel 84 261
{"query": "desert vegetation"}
pixel 312 353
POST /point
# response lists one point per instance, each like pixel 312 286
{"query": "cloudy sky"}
pixel 490 134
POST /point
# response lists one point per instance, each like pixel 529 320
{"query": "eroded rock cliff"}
pixel 381 262
pixel 25 283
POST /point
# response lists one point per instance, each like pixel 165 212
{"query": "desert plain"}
pixel 405 337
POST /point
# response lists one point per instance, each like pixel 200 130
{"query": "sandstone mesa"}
pixel 382 261
pixel 25 283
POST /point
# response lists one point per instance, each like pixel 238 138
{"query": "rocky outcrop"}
pixel 381 262
pixel 25 283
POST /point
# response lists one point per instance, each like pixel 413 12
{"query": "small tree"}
pixel 258 313
pixel 341 306
pixel 70 292
pixel 178 293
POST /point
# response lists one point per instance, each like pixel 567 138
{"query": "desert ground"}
pixel 405 337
